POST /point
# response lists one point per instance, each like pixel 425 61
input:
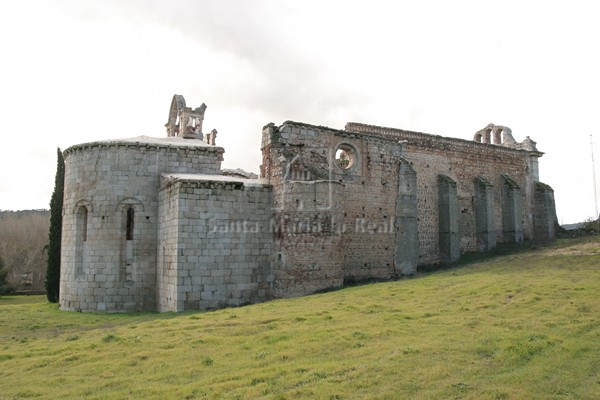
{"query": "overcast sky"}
pixel 79 71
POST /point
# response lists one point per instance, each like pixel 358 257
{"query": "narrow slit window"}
pixel 129 230
pixel 84 223
pixel 81 227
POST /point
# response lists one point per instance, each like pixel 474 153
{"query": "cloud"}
pixel 84 71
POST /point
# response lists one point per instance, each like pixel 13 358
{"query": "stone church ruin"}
pixel 156 224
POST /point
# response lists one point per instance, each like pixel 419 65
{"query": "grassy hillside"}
pixel 516 326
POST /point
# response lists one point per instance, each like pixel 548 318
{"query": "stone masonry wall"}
pixel 462 161
pixel 370 175
pixel 108 263
pixel 308 242
pixel 223 252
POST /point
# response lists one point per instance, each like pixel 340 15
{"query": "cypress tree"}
pixel 54 237
pixel 5 288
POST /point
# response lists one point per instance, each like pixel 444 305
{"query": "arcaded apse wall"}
pixel 110 218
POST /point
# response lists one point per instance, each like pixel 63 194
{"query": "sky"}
pixel 75 71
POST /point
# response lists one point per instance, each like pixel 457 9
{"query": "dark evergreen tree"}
pixel 56 205
pixel 5 287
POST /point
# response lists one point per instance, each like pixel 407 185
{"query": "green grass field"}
pixel 518 326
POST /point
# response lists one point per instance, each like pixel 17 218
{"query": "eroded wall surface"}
pixel 467 163
pixel 366 196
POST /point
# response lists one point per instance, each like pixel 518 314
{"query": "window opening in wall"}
pixel 129 229
pixel 84 223
pixel 177 126
pixel 81 227
pixel 487 138
pixel 342 159
pixel 345 156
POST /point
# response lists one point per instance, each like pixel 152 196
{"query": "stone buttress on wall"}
pixel 544 221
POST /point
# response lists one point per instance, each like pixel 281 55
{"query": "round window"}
pixel 345 156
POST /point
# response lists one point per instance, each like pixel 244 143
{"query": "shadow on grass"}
pixel 504 250
pixel 17 299
pixel 467 259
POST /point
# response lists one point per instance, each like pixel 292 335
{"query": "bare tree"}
pixel 23 237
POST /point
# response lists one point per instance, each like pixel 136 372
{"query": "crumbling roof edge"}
pixel 367 129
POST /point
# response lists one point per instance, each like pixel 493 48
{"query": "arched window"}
pixel 487 136
pixel 130 222
pixel 129 236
